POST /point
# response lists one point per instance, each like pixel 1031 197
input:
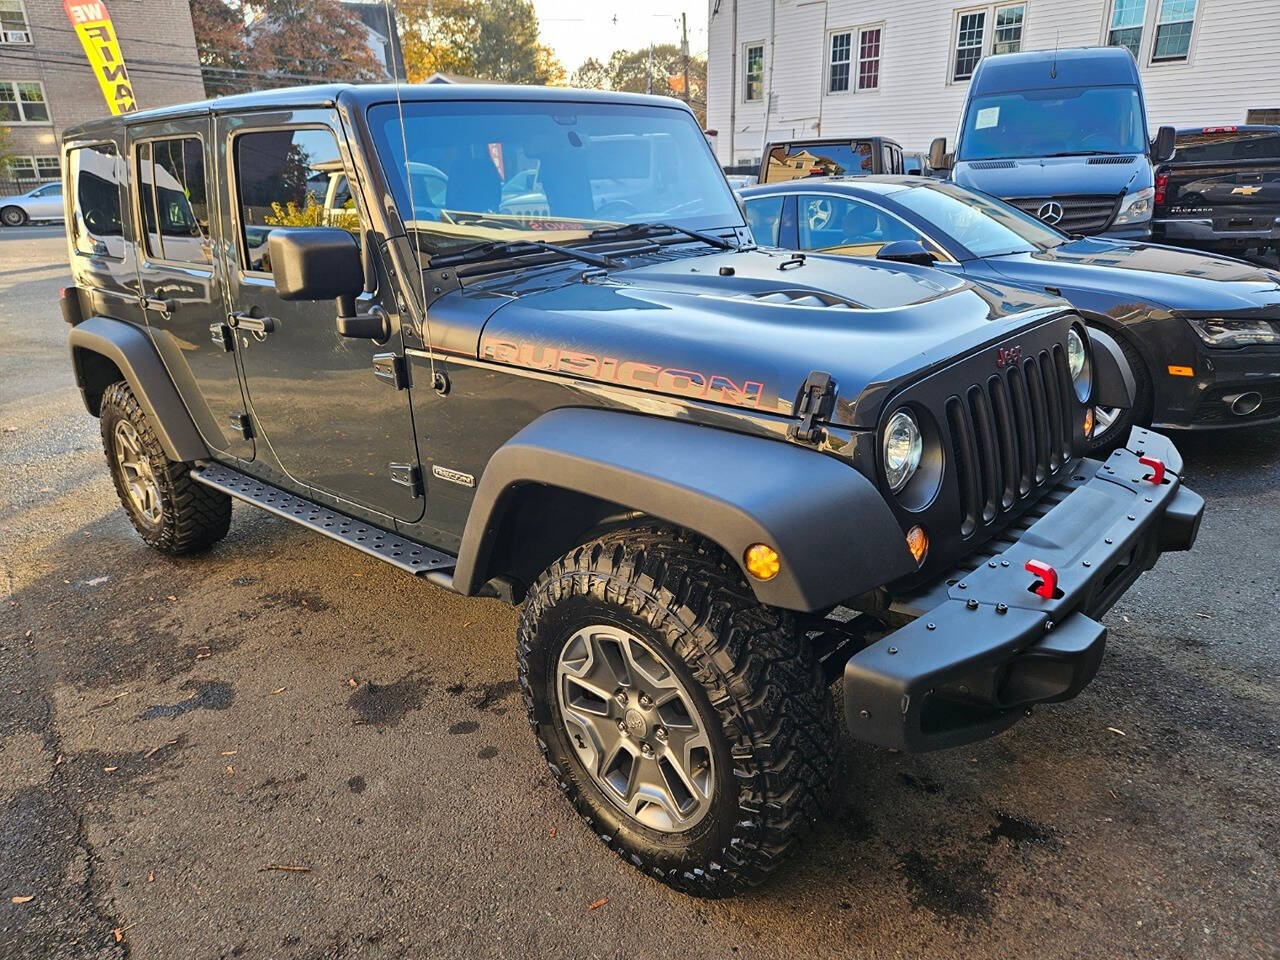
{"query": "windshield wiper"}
pixel 643 229
pixel 515 248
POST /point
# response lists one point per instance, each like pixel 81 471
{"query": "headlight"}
pixel 1078 363
pixel 902 449
pixel 1136 206
pixel 1235 333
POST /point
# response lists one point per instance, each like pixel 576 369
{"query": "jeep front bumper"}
pixel 984 647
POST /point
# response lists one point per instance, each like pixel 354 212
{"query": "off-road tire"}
pixel 14 217
pixel 192 516
pixel 1139 415
pixel 758 689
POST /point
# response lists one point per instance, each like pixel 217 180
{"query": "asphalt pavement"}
pixel 283 748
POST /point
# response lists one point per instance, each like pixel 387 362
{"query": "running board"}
pixel 408 555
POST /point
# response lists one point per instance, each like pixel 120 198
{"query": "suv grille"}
pixel 1011 435
pixel 1085 214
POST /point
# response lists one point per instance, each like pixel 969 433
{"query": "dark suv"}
pixel 517 342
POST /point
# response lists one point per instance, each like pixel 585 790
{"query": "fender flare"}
pixel 833 531
pixel 1113 381
pixel 138 362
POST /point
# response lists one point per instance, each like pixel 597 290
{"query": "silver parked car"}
pixel 39 203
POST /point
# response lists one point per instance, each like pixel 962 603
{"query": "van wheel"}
pixel 687 722
pixel 13 216
pixel 1111 425
pixel 168 508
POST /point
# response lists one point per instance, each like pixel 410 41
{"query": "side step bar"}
pixel 408 555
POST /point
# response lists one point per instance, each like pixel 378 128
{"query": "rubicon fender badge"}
pixel 453 476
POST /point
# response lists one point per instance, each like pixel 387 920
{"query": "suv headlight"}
pixel 903 447
pixel 1136 206
pixel 1234 333
pixel 1078 363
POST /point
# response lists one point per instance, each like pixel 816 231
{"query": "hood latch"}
pixel 815 401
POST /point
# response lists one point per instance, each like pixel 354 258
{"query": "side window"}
pixel 283 179
pixel 849 226
pixel 96 173
pixel 174 200
pixel 764 217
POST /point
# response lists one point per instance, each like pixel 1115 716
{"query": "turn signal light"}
pixel 762 561
pixel 1088 423
pixel 918 543
pixel 1177 371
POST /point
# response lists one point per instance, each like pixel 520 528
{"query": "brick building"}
pixel 46 84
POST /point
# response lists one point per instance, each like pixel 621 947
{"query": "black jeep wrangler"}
pixel 518 342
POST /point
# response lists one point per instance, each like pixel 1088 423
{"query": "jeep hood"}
pixel 1181 280
pixel 745 328
pixel 1053 176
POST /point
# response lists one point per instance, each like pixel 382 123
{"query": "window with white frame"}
pixel 22 168
pixel 1127 17
pixel 838 66
pixel 13 22
pixel 986 30
pixel 1174 24
pixel 47 168
pixel 753 70
pixel 23 101
pixel 869 58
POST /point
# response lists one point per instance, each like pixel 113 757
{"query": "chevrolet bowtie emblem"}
pixel 1247 191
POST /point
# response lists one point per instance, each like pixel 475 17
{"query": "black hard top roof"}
pixel 362 95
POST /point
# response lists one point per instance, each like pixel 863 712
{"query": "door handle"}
pixel 245 320
pixel 164 305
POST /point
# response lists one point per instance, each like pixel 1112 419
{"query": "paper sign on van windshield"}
pixel 987 117
pixel 98 37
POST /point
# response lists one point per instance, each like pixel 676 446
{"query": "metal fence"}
pixel 10 187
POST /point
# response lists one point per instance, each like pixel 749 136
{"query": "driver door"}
pixel 321 413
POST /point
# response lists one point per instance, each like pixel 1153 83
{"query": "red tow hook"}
pixel 1157 466
pixel 1048 584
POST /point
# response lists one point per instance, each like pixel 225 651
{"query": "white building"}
pixel 865 67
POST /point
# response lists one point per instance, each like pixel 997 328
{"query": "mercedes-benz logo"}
pixel 1050 212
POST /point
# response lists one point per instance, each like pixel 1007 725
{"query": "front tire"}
pixel 168 508
pixel 687 722
pixel 13 216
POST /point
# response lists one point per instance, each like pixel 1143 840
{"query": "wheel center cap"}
pixel 636 725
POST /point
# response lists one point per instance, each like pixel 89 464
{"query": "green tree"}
pixel 487 39
pixel 635 72
pixel 592 75
pixel 7 153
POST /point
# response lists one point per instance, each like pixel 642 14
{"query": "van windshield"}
pixel 1058 122
pixel 554 171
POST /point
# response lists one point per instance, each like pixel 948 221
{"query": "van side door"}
pixel 182 286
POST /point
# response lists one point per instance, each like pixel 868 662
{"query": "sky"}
pixel 576 30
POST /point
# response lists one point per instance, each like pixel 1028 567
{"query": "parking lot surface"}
pixel 283 748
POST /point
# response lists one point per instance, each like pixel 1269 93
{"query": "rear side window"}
pixel 174 200
pixel 1226 146
pixel 818 160
pixel 764 217
pixel 96 173
pixel 283 179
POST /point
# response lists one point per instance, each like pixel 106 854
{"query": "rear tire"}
pixel 168 508
pixel 665 610
pixel 1118 422
pixel 13 216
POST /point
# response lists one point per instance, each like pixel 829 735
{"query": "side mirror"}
pixel 906 251
pixel 1162 148
pixel 325 263
pixel 938 157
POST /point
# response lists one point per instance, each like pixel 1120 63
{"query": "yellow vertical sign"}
pixel 98 37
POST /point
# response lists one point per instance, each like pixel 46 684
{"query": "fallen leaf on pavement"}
pixel 552 833
pixel 284 868
pixel 278 690
pixel 230 770
pixel 21 899
pixel 351 682
pixel 110 769
pixel 204 653
pixel 228 753
pixel 154 750
pixel 151 876
pixel 171 597
pixel 1116 731
pixel 597 904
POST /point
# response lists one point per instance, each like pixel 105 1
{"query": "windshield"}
pixel 555 171
pixel 1057 122
pixel 818 160
pixel 983 225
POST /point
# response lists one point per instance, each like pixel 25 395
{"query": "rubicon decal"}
pixel 715 387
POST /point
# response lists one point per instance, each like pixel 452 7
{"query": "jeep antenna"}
pixel 1053 67
pixel 413 207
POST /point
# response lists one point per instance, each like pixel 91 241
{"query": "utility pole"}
pixel 684 52
pixel 648 73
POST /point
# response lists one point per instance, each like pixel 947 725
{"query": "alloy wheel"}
pixel 136 471
pixel 635 728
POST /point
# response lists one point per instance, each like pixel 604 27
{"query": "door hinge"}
pixel 815 401
pixel 221 334
pixel 407 475
pixel 241 423
pixel 391 368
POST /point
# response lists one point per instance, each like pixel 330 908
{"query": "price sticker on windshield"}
pixel 987 117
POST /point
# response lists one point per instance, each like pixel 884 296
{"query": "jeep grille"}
pixel 1011 435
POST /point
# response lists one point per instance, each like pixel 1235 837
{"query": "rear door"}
pixel 45 202
pixel 327 409
pixel 173 175
pixel 1231 175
